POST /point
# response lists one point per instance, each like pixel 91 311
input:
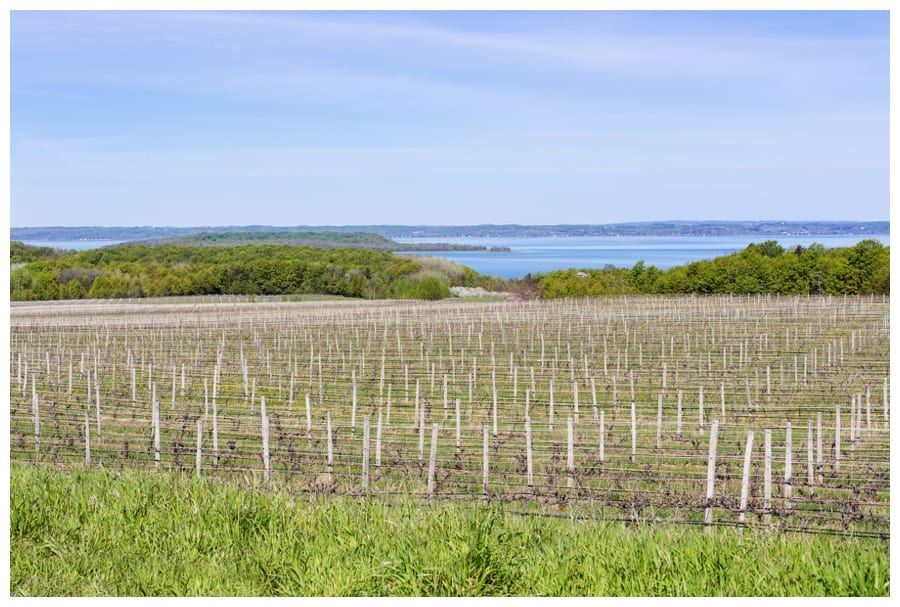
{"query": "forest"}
pixel 318 240
pixel 129 271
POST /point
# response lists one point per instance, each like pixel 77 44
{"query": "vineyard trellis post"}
pixel 485 467
pixel 416 409
pixel 788 460
pixel 458 428
pixel 422 434
pixel 575 401
pixel 767 479
pixel 36 414
pixel 97 400
pixel 633 433
pixel 711 473
pixel 264 419
pixel 745 479
pixel 700 409
pixel 215 433
pixel 199 438
pixel 810 474
pixel 528 455
pixel 353 406
pixel 378 434
pixel 87 437
pixel 678 421
pixel 602 437
pixel 570 453
pixel 820 467
pixel 330 446
pixel 432 460
pixel 156 424
pixel 659 421
pixel 308 421
pixel 837 438
pixel 365 455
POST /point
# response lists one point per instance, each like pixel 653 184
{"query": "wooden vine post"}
pixel 87 438
pixel 570 453
pixel 485 469
pixel 788 461
pixel 265 437
pixel 711 473
pixel 745 479
pixel 767 479
pixel 199 437
pixel 365 455
pixel 528 455
pixel 432 460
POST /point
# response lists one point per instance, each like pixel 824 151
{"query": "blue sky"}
pixel 319 118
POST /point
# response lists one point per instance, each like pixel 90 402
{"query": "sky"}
pixel 186 118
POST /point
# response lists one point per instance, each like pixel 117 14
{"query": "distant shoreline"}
pixel 762 229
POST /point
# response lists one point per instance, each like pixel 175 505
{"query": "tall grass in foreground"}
pixel 124 533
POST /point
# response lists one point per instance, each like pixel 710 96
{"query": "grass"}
pixel 84 532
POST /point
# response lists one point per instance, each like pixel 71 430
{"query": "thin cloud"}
pixel 409 50
pixel 402 102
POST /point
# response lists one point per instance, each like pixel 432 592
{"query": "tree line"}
pixel 127 271
pixel 758 269
pixel 318 240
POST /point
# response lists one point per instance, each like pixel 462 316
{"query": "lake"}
pixel 530 255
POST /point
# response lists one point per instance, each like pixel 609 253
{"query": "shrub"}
pixel 432 289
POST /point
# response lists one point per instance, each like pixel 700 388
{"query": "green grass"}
pixel 135 533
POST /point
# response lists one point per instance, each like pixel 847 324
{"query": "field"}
pixel 770 413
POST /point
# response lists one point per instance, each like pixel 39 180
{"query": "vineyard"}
pixel 756 411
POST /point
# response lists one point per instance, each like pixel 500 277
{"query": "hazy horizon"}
pixel 461 225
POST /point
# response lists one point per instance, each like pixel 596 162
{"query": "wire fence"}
pixel 602 409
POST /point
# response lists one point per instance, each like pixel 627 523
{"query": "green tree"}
pixel 865 260
pixel 46 286
pixel 75 290
pixel 769 248
pixel 110 285
pixel 431 288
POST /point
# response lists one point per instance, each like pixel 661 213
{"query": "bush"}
pixel 432 289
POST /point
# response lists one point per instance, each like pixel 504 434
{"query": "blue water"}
pixel 531 255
